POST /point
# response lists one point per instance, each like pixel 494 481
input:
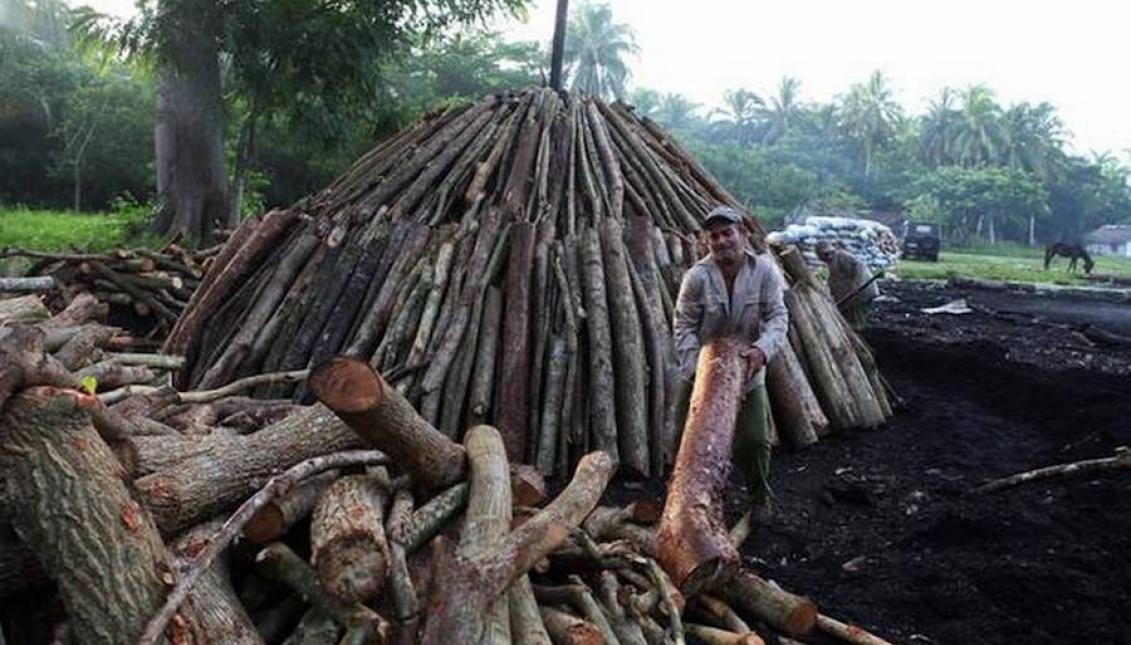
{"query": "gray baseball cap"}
pixel 723 215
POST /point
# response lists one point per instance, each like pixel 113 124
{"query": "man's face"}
pixel 725 241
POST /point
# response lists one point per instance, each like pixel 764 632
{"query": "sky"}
pixel 1072 54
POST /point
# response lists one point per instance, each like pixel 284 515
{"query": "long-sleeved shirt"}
pixel 846 274
pixel 755 311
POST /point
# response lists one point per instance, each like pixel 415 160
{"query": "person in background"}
pixel 737 292
pixel 850 283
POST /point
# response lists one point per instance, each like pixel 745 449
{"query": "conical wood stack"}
pixel 513 262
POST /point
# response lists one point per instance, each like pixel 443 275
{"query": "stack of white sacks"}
pixel 870 241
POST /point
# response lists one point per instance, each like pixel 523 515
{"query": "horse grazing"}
pixel 1071 251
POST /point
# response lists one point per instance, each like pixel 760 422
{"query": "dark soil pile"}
pixel 880 528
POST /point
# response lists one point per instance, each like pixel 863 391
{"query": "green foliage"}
pixel 59 108
pixel 969 197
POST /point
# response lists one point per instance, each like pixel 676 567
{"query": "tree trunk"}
pixel 100 547
pixel 693 544
pixel 191 176
pixel 792 614
pixel 628 352
pixel 514 366
pixel 198 488
pixel 488 516
pixel 347 538
pixel 387 421
pixel 560 21
pixel 795 405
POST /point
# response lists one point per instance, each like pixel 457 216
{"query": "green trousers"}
pixel 751 449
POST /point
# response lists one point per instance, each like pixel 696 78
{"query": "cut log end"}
pixel 347 384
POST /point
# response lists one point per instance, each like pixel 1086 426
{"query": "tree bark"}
pixel 202 486
pixel 628 352
pixel 347 538
pixel 457 609
pixel 191 175
pixel 221 615
pixel 692 542
pixel 100 547
pixel 488 516
pixel 279 515
pixel 513 384
pixel 380 414
pixel 792 614
pixel 602 385
pixel 566 629
pixel 795 407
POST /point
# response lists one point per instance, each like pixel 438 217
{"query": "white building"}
pixel 1109 239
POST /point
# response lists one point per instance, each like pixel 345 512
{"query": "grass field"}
pixel 44 230
pixel 1025 267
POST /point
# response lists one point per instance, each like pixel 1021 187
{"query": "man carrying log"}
pixel 734 292
pixel 850 282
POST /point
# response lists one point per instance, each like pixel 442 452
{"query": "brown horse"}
pixel 1071 251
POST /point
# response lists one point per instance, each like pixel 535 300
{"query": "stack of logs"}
pixel 515 262
pixel 154 285
pixel 379 528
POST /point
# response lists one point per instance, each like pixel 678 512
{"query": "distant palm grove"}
pixel 78 116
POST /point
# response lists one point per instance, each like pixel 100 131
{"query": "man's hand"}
pixel 755 360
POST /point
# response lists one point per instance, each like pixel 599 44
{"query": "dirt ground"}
pixel 880 527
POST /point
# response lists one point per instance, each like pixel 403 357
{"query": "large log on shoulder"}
pixel 692 542
pixel 67 496
pixel 387 421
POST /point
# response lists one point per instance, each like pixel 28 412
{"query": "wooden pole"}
pixel 561 18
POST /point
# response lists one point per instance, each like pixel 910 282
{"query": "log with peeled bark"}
pixel 715 636
pixel 488 517
pixel 457 609
pixel 347 538
pixel 200 487
pixel 387 421
pixel 527 627
pixel 692 542
pixel 98 545
pixel 847 632
pixel 36 284
pixel 792 614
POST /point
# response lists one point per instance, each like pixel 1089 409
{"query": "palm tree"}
pixel 939 129
pixel 595 51
pixel 980 133
pixel 741 113
pixel 870 116
pixel 783 109
pixel 1033 139
pixel 676 111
